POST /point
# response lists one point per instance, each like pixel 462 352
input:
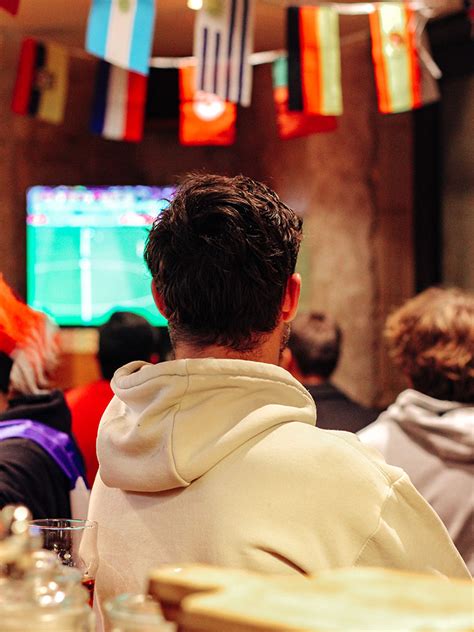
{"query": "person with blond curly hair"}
pixel 429 429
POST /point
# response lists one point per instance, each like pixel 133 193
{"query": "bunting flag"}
pixel 118 110
pixel 402 80
pixel 314 63
pixel 205 119
pixel 294 124
pixel 121 32
pixel 162 99
pixel 223 41
pixel 42 81
pixel 10 5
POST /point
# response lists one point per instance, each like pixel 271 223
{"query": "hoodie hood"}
pixel 442 427
pixel 169 423
pixel 48 408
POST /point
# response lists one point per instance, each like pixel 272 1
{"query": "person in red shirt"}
pixel 123 338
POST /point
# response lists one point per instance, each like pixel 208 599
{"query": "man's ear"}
pixel 159 302
pixel 291 298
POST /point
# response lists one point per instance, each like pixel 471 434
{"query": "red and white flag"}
pixel 118 111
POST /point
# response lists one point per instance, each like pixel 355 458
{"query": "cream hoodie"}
pixel 218 461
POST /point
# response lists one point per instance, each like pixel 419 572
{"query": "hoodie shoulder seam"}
pixel 390 492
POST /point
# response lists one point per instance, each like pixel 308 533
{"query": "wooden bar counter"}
pixel 210 599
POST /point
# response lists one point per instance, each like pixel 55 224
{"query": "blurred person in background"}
pixel 429 429
pixel 123 338
pixel 311 357
pixel 40 464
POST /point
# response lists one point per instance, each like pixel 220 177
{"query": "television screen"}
pixel 85 251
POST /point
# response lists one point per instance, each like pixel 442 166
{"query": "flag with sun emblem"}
pixel 204 118
pixel 121 32
pixel 402 77
pixel 42 81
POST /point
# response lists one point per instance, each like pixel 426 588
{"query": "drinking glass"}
pixel 75 544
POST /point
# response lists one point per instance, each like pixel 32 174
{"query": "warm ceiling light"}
pixel 195 4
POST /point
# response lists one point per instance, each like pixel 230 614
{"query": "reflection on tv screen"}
pixel 85 251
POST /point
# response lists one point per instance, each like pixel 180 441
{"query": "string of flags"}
pixel 203 92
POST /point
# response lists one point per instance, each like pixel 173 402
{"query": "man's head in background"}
pixel 431 340
pixel 222 257
pixel 313 347
pixel 29 347
pixel 123 338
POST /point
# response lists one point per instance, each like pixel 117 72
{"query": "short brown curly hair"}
pixel 221 255
pixel 431 339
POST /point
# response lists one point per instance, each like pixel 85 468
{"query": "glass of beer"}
pixel 75 544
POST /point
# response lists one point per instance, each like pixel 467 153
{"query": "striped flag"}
pixel 10 5
pixel 205 119
pixel 118 110
pixel 294 124
pixel 121 32
pixel 402 79
pixel 314 60
pixel 42 81
pixel 223 41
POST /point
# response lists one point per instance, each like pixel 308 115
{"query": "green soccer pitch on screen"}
pixel 85 251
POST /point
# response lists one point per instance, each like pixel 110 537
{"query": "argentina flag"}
pixel 223 41
pixel 121 32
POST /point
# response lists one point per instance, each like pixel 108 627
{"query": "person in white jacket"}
pixel 214 457
pixel 429 429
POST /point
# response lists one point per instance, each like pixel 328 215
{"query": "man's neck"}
pixel 268 350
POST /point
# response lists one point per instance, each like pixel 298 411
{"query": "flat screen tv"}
pixel 85 251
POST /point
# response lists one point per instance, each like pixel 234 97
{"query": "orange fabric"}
pixel 310 63
pixel 379 63
pixel 194 130
pixel 17 321
pixel 87 404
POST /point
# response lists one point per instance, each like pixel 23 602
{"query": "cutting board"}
pixel 210 599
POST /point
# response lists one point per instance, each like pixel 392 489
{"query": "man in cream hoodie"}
pixel 214 457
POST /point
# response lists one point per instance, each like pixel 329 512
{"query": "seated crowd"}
pixel 223 456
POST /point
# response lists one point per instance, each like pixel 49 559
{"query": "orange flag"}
pixel 204 119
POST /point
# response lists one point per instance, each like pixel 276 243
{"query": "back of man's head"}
pixel 431 339
pixel 123 338
pixel 221 255
pixel 314 342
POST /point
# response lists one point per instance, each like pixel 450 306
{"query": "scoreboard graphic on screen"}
pixel 85 251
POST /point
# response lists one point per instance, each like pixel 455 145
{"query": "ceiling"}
pixel 173 24
pixel 65 21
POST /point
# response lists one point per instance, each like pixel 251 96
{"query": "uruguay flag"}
pixel 121 32
pixel 118 110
